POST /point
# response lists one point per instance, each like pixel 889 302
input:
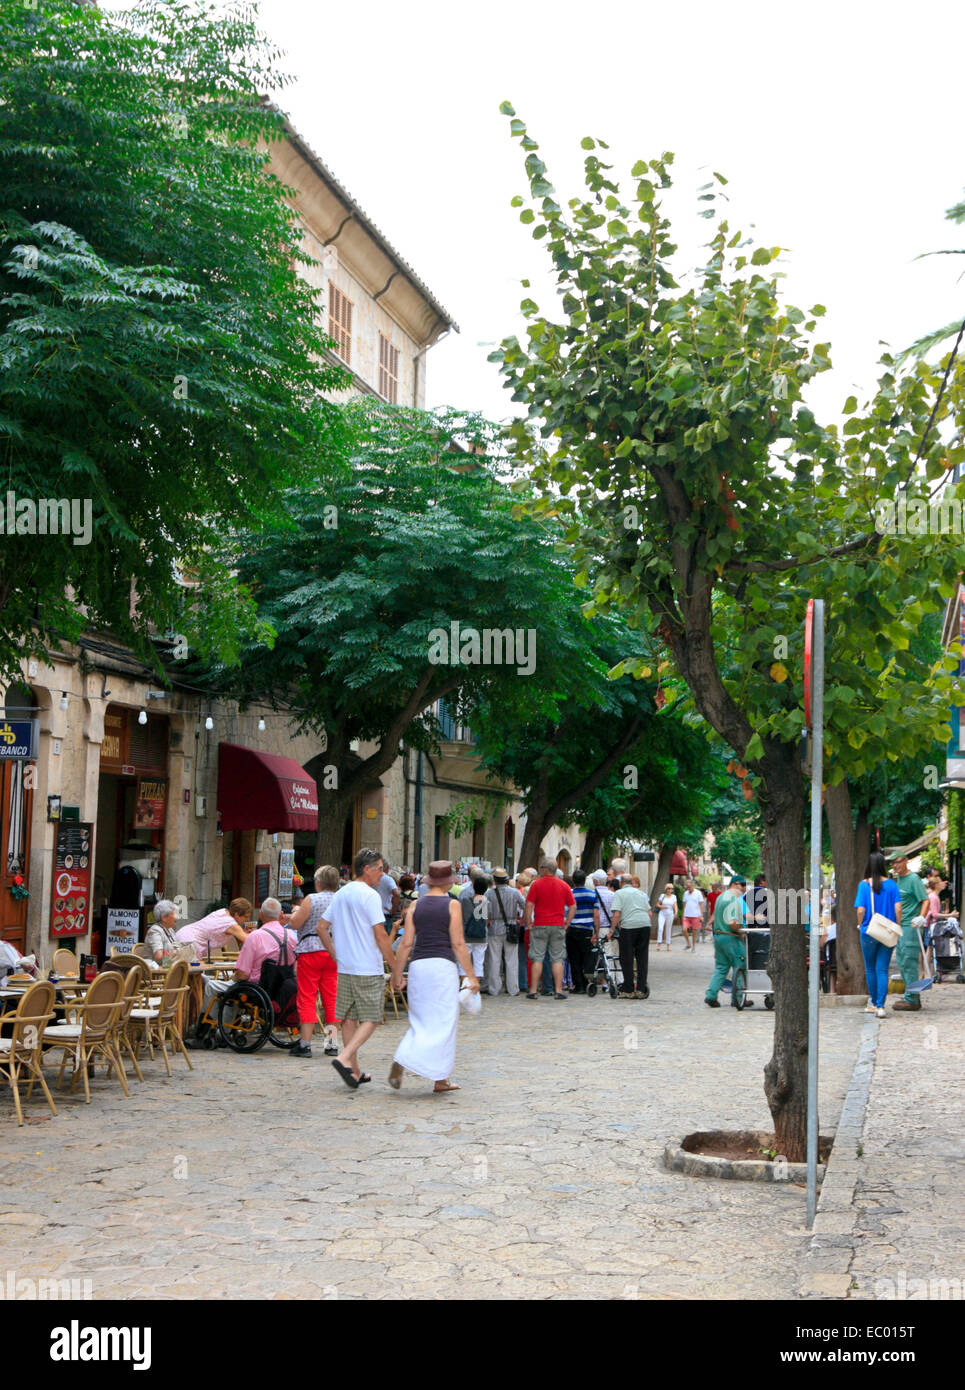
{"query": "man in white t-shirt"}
pixel 693 913
pixel 354 935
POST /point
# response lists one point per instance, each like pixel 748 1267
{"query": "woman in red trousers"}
pixel 315 970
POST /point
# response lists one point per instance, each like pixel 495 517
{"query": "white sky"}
pixel 838 125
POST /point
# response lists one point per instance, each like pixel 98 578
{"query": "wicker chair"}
pixel 21 1053
pixel 161 1023
pixel 125 961
pixel 65 962
pixel 93 1035
pixel 123 1042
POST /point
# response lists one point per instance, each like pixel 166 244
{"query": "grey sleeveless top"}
pixel 308 937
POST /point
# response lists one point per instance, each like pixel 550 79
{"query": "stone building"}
pixel 127 791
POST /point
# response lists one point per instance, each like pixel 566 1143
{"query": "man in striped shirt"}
pixel 581 933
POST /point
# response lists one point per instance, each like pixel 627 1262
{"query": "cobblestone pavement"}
pixel 897 1227
pixel 264 1176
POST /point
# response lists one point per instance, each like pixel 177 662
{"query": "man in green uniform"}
pixel 914 895
pixel 728 941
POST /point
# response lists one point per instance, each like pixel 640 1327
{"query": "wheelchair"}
pixel 245 1017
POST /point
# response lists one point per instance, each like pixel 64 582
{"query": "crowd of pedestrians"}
pixel 442 941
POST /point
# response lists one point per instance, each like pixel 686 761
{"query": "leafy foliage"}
pixel 667 426
pixel 413 532
pixel 737 844
pixel 159 354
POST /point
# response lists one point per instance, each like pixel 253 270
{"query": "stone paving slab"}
pixel 263 1176
pixel 890 1221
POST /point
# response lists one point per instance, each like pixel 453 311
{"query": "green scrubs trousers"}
pixel 907 956
pixel 729 955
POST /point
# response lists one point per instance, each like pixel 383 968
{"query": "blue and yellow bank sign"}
pixel 18 739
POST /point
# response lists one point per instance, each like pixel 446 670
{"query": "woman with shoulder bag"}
pixel 475 916
pixel 879 920
pixel 506 907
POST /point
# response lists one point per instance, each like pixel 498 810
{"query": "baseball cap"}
pixel 739 878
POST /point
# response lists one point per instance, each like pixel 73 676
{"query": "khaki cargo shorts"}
pixel 542 937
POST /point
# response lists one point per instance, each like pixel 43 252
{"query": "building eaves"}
pixel 309 155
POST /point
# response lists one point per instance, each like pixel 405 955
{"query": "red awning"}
pixel 264 791
pixel 679 865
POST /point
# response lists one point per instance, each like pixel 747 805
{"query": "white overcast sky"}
pixel 839 126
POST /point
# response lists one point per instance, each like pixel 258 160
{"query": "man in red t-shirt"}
pixel 550 908
pixel 707 925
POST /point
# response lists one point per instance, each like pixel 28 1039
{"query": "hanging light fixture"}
pixel 63 699
pixel 261 726
pixel 142 717
pixel 209 722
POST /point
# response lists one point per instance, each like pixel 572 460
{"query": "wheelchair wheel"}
pixel 591 989
pixel 245 1018
pixel 613 991
pixel 768 1001
pixel 738 994
pixel 283 1035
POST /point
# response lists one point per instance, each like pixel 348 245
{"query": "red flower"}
pixel 18 879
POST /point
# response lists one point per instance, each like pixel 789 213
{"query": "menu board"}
pixel 286 873
pixel 70 904
pixel 262 883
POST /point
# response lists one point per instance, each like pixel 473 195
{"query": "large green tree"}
pixel 379 559
pixel 159 354
pixel 666 423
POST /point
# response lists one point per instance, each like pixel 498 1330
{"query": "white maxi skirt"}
pixel 429 1047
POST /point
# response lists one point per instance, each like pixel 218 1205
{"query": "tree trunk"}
pixel 529 850
pixel 783 805
pixel 662 876
pixel 590 857
pixel 333 811
pixel 849 850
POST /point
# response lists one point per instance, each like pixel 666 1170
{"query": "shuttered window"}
pixel 388 370
pixel 340 321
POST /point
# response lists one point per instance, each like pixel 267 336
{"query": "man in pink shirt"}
pixel 550 908
pixel 265 943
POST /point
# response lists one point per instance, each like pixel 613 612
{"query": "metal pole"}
pixel 817 768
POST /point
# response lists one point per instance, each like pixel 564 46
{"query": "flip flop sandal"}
pixel 441 1090
pixel 346 1074
pixel 395 1076
pixel 364 1077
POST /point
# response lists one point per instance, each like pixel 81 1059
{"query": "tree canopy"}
pixel 159 354
pixel 388 555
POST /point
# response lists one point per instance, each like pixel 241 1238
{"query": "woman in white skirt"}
pixel 434 946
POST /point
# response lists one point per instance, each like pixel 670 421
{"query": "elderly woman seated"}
pixel 160 938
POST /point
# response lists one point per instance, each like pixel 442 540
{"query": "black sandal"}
pixel 346 1074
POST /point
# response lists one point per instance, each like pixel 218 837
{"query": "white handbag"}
pixel 880 927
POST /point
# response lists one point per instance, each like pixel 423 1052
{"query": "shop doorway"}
pixel 132 791
pixel 16 806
